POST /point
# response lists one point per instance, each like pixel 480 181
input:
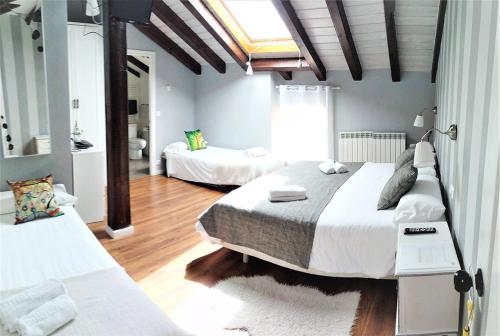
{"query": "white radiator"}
pixel 370 146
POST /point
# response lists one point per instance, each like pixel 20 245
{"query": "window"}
pixel 255 24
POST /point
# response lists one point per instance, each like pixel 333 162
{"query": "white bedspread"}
pixel 59 247
pixel 352 237
pixel 221 166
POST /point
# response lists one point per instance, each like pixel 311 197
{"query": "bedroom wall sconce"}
pixel 424 151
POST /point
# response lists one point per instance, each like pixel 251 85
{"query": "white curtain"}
pixel 302 124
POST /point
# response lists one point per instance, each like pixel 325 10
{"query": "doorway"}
pixel 141 119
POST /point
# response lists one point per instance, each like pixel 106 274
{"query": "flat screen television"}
pixel 132 106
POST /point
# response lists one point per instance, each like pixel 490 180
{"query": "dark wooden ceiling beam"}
pixel 437 40
pixel 287 75
pixel 392 43
pixel 217 30
pixel 339 18
pixel 287 13
pixel 5 8
pixel 134 72
pixel 174 22
pixel 278 64
pixel 135 61
pixel 170 46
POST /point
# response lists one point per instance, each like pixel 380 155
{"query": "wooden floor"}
pixel 170 261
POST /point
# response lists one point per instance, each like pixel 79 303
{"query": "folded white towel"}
pixel 332 167
pixel 47 318
pixel 24 302
pixel 287 191
pixel 339 168
pixel 255 152
pixel 288 198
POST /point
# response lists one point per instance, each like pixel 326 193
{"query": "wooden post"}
pixel 115 70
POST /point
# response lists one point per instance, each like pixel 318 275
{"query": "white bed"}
pixel 352 238
pixel 219 166
pixel 108 300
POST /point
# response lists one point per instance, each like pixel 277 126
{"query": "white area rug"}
pixel 259 306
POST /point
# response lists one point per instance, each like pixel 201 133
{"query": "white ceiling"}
pixel 415 30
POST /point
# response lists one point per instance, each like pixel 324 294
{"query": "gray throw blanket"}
pixel 284 230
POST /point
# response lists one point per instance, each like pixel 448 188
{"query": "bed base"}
pixel 247 252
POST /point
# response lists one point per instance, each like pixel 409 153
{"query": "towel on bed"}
pixel 47 318
pixel 26 301
pixel 287 193
pixel 255 152
pixel 332 167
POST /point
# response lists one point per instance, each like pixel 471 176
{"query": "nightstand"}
pixel 425 264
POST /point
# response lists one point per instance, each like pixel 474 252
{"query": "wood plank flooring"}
pixel 171 262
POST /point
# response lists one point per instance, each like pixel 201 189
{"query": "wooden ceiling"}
pixel 354 35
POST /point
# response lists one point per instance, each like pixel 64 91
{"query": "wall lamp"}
pixel 424 151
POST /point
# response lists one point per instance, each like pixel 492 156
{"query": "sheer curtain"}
pixel 302 125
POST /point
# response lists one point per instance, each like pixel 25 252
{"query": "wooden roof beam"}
pixel 138 63
pixel 174 22
pixel 339 18
pixel 437 40
pixel 287 13
pixel 392 43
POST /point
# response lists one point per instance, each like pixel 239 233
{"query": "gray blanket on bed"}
pixel 284 230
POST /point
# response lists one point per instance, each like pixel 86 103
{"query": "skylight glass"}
pixel 258 19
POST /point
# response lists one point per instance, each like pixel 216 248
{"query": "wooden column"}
pixel 115 70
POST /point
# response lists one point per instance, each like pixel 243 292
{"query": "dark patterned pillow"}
pixel 399 184
pixel 403 158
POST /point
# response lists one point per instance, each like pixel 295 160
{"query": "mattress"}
pixel 219 166
pixel 352 237
pixel 58 247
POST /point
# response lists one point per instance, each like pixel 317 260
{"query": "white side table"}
pixel 425 264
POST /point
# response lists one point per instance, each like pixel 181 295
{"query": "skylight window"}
pixel 256 25
pixel 258 19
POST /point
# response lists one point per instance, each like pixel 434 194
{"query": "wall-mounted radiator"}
pixel 370 146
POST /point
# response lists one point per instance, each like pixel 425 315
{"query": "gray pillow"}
pixel 399 184
pixel 403 158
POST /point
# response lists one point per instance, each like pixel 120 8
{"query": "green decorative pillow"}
pixel 34 199
pixel 195 140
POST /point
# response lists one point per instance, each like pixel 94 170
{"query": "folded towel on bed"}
pixel 287 193
pixel 332 167
pixel 26 301
pixel 47 318
pixel 255 152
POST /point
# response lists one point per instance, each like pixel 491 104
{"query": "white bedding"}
pixel 219 166
pixel 59 247
pixel 352 237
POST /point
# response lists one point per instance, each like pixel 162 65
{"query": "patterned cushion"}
pixel 34 199
pixel 195 140
pixel 403 158
pixel 399 184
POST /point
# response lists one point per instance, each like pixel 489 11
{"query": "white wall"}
pixel 234 110
pixel 467 94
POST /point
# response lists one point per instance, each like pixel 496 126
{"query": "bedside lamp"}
pixel 424 152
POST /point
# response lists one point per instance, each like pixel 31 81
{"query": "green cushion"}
pixel 195 140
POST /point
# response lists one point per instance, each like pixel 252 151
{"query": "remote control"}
pixel 414 230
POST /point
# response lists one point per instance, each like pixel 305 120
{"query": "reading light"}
pixel 424 155
pixel 419 121
pixel 249 63
pixel 299 61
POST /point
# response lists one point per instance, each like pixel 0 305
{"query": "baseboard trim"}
pixel 120 233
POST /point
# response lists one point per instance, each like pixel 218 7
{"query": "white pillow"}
pixel 62 197
pixel 427 171
pixel 7 204
pixel 422 203
pixel 176 147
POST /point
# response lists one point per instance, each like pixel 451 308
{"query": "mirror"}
pixel 24 113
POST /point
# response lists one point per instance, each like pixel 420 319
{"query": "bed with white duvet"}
pixel 218 166
pixel 352 238
pixel 108 301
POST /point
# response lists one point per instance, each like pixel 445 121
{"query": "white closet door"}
pixel 87 82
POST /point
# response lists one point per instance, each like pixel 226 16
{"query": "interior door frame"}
pixel 154 166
